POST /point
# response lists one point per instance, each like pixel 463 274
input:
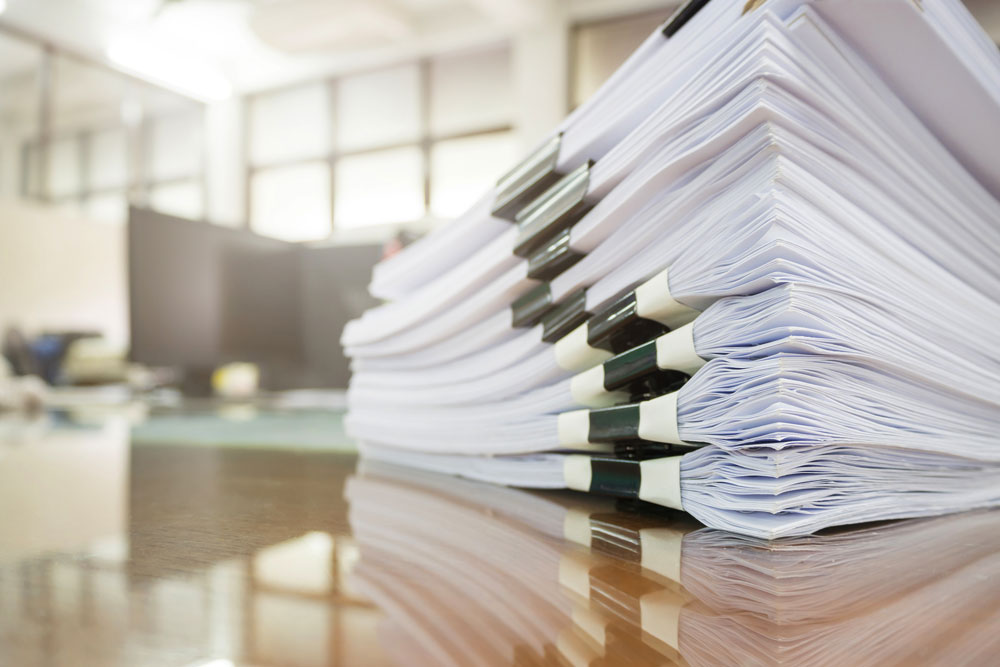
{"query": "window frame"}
pixel 34 154
pixel 424 142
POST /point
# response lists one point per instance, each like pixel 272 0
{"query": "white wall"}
pixel 59 271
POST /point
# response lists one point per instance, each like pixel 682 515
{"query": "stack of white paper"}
pixel 756 277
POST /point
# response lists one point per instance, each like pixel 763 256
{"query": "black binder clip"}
pixel 553 258
pixel 528 309
pixel 656 384
pixel 682 16
pixel 615 477
pixel 620 422
pixel 556 209
pixel 565 317
pixel 532 176
pixel 617 327
pixel 636 372
pixel 642 450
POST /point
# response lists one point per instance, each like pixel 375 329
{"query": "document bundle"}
pixel 473 574
pixel 756 277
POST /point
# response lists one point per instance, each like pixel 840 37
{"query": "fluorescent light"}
pixel 3 6
pixel 145 57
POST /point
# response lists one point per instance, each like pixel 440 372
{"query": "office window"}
pixel 86 161
pixel 107 207
pixel 94 138
pixel 380 187
pixel 32 164
pixel 114 138
pixel 175 146
pixel 599 48
pixel 290 125
pixel 378 109
pixel 181 198
pixel 292 202
pixel 462 168
pixel 174 163
pixel 64 168
pixel 470 91
pixel 107 159
pixel 401 144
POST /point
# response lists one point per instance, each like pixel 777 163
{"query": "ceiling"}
pixel 257 44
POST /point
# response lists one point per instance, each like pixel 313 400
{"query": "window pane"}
pixel 64 167
pixel 175 147
pixel 110 207
pixel 379 108
pixel 382 187
pixel 290 125
pixel 292 203
pixel 463 169
pixel 107 159
pixel 470 91
pixel 182 199
pixel 600 48
pixel 32 175
pixel 19 67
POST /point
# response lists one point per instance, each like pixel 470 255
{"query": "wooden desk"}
pixel 117 550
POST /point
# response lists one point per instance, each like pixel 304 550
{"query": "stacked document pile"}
pixel 756 277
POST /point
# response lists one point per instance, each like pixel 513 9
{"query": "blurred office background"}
pixel 185 184
pixel 209 181
pixel 200 182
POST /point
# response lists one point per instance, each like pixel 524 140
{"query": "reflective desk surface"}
pixel 250 539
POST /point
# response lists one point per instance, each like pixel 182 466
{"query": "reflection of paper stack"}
pixel 447 592
pixel 920 592
pixel 476 574
pixel 493 583
pixel 782 201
